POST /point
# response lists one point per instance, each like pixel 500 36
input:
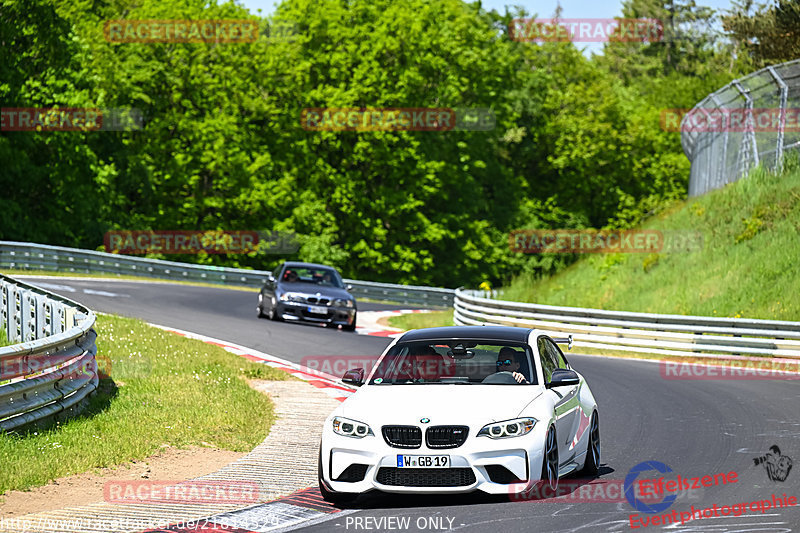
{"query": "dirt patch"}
pixel 166 465
pixel 384 321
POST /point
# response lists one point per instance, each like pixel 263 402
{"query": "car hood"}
pixel 307 288
pixel 442 404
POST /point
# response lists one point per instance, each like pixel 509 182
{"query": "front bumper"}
pixel 502 466
pixel 342 316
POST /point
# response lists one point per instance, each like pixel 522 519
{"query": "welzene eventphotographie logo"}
pixel 668 487
pixel 373 119
pixel 80 119
pixel 776 465
pixel 200 241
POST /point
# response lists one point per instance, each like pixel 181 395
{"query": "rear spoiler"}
pixel 564 340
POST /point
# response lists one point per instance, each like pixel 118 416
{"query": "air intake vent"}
pixel 502 475
pixel 426 477
pixel 353 473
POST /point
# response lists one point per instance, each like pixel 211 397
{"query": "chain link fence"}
pixel 751 121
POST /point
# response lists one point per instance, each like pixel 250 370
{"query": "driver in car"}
pixel 507 361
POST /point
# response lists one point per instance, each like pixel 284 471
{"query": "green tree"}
pixel 768 35
pixel 47 176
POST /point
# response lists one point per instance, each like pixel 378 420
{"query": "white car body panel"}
pixel 567 408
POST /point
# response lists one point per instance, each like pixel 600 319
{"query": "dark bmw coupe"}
pixel 310 292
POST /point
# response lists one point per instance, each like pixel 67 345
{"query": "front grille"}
pixel 402 436
pixel 317 301
pixel 502 475
pixel 353 473
pixel 426 477
pixel 446 436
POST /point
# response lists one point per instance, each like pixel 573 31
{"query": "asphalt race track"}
pixel 224 314
pixel 696 427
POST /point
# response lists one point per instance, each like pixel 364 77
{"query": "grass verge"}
pixel 163 389
pixel 747 266
pixel 422 320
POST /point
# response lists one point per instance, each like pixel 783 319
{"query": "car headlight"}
pixel 291 296
pixel 350 428
pixel 508 428
pixel 340 302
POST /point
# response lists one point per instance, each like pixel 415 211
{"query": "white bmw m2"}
pixel 458 409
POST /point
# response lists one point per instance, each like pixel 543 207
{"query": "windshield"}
pixel 325 277
pixel 453 362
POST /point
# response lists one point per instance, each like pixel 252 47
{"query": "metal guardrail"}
pixel 50 366
pixel 674 335
pixel 28 256
pixel 722 157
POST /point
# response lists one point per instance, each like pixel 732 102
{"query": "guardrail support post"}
pixel 782 123
pixel 749 129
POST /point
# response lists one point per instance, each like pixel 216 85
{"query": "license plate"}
pixel 316 309
pixel 423 461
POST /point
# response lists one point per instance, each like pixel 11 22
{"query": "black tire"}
pixel 273 313
pixel 259 308
pixel 351 327
pixel 550 462
pixel 591 466
pixel 327 494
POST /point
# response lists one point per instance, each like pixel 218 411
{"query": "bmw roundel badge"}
pixel 424 420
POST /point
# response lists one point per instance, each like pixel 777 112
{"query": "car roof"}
pixel 490 333
pixel 299 264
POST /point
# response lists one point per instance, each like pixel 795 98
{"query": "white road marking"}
pixel 106 293
pixel 53 286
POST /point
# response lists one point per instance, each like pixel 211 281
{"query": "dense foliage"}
pixel 577 141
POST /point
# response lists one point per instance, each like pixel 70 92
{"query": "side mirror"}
pixel 349 287
pixel 270 278
pixel 564 340
pixel 354 377
pixel 562 378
